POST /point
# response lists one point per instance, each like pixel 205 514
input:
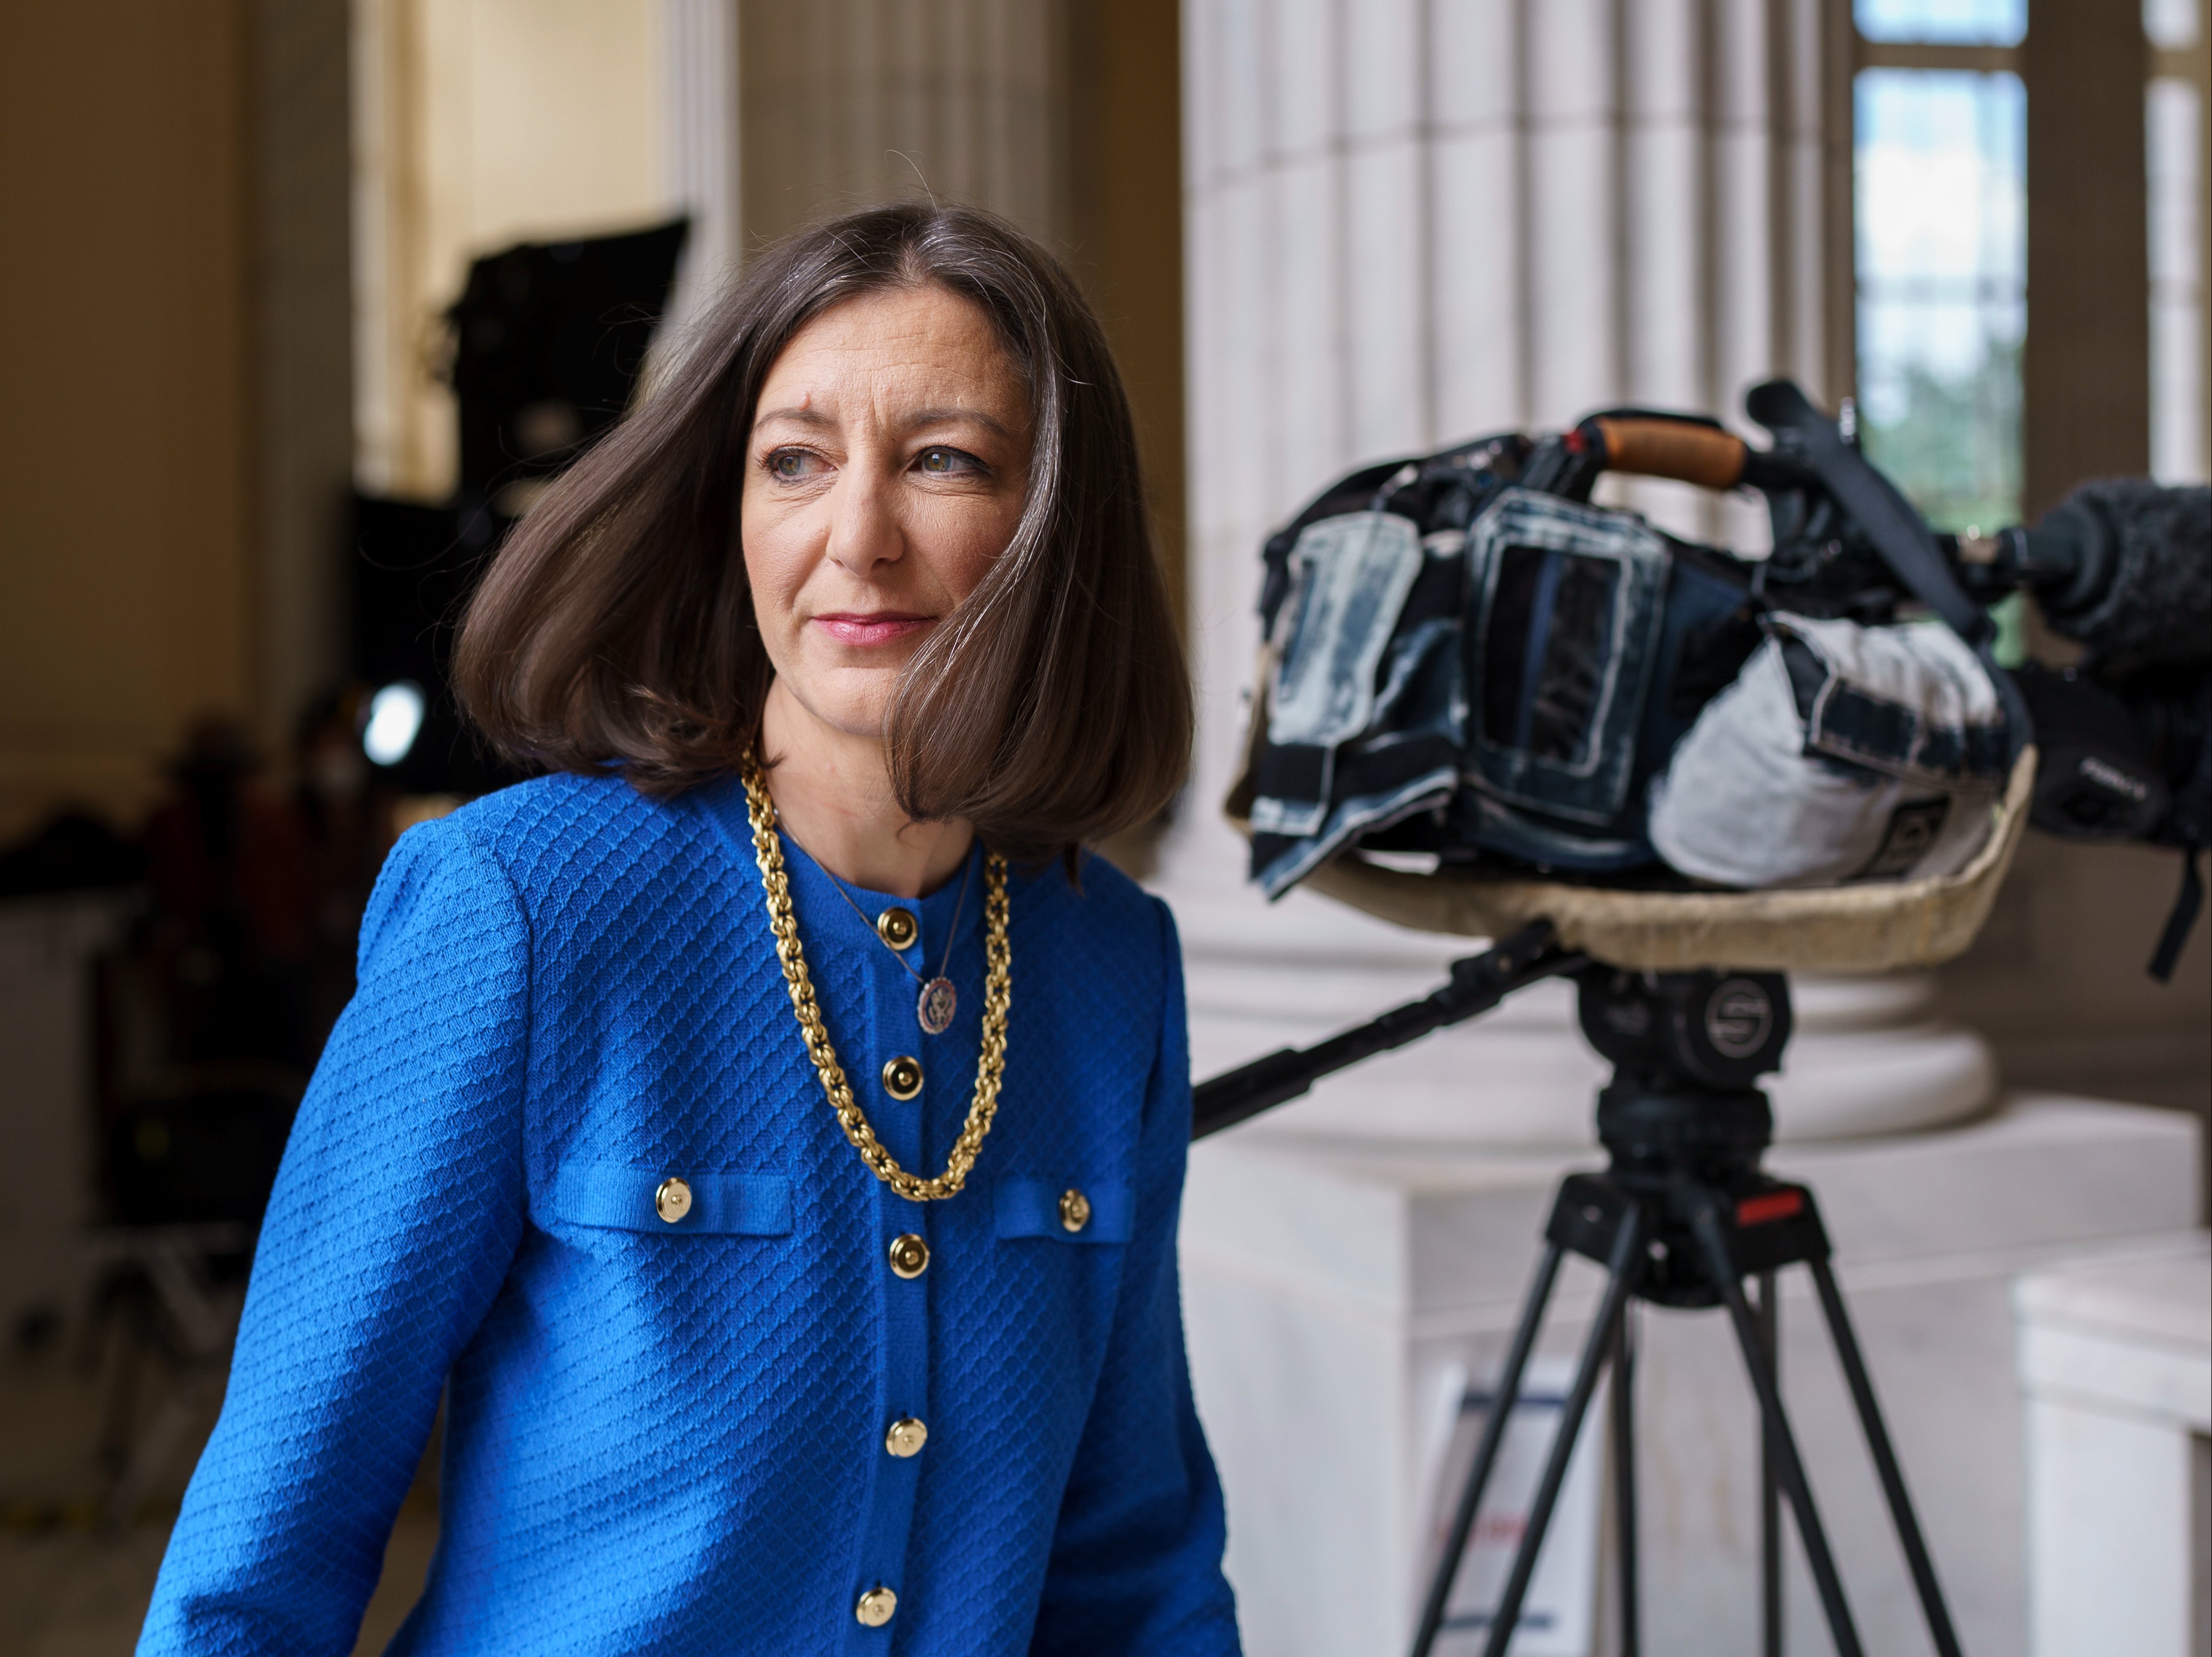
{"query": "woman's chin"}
pixel 858 727
pixel 833 711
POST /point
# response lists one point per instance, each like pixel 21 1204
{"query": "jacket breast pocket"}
pixel 611 1197
pixel 1070 1211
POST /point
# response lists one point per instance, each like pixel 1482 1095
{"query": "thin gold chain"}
pixel 998 992
pixel 920 982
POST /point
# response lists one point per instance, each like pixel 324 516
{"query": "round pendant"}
pixel 933 1012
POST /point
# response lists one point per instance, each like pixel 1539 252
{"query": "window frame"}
pixel 1853 52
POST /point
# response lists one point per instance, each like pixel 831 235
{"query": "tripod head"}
pixel 1686 1050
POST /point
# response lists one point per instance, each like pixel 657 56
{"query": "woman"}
pixel 767 1129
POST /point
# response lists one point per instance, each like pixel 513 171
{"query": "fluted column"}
pixel 301 358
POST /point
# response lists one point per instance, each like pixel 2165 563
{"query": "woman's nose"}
pixel 865 532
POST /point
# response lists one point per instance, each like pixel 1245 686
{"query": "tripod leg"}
pixel 1885 1461
pixel 1508 1392
pixel 1623 1481
pixel 1721 1265
pixel 1623 1269
pixel 1770 1489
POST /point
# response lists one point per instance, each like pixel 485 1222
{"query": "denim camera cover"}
pixel 1505 690
pixel 1570 604
pixel 1350 576
pixel 1366 710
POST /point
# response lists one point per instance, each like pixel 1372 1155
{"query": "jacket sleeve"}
pixel 1136 1557
pixel 397 1212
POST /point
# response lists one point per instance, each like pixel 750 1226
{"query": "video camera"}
pixel 1469 662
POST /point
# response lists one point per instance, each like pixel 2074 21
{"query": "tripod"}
pixel 1680 1217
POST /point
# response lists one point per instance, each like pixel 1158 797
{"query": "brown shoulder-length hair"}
pixel 1051 709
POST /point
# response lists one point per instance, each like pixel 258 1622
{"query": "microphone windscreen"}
pixel 2154 607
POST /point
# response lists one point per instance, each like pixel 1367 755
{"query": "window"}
pixel 1942 22
pixel 1940 206
pixel 1941 251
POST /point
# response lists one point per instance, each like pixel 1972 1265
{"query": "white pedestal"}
pixel 2116 1373
pixel 1339 1294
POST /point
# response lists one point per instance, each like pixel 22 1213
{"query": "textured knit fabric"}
pixel 670 1437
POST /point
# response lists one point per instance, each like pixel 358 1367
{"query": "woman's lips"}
pixel 884 628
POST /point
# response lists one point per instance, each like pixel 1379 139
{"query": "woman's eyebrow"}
pixel 804 416
pixel 916 421
pixel 953 416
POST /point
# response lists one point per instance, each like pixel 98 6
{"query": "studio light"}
pixel 395 720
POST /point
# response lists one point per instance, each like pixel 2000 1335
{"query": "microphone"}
pixel 2123 567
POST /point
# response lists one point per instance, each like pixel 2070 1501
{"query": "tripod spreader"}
pixel 1477 984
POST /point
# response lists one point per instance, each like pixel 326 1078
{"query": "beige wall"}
pixel 125 581
pixel 479 123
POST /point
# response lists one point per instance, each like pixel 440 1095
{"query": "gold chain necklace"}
pixel 998 992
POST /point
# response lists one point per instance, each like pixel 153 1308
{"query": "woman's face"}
pixel 885 471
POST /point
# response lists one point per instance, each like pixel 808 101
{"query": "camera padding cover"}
pixel 1874 926
pixel 1841 754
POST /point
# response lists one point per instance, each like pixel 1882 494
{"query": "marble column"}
pixel 1060 115
pixel 2116 1374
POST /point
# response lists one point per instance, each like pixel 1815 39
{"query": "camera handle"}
pixel 1644 445
pixel 1477 984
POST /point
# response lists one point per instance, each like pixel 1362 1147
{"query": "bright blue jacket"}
pixel 670 1438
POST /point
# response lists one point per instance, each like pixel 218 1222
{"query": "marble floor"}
pixel 69 1589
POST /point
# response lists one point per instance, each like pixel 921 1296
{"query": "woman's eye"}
pixel 942 462
pixel 790 465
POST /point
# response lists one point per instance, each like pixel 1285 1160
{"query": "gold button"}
pixel 1074 1211
pixel 673 1201
pixel 903 1077
pixel 909 1255
pixel 877 1607
pixel 906 1437
pixel 897 927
